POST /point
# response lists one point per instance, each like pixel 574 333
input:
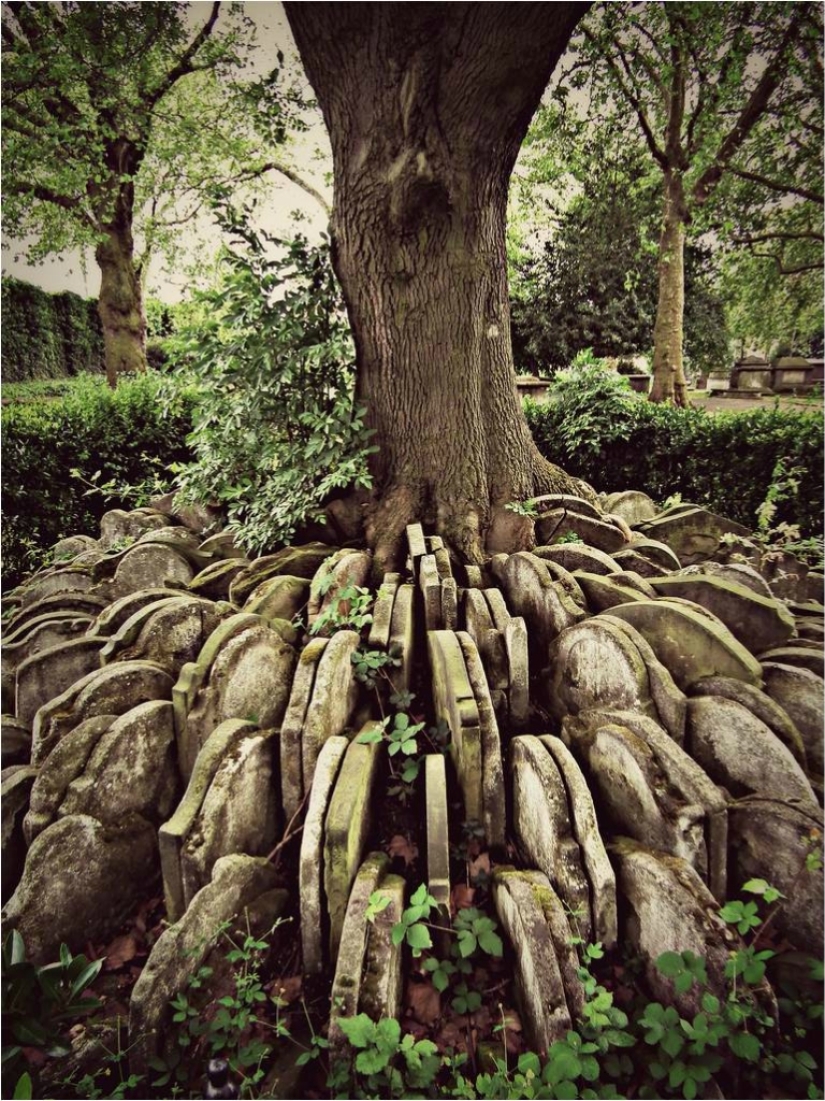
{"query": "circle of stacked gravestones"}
pixel 687 698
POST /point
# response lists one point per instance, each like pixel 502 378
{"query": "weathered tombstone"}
pixel 337 573
pixel 603 592
pixel 314 916
pixel 67 604
pixel 799 693
pixel 689 644
pixel 742 754
pixel 51 672
pixel 292 727
pixel 735 572
pixel 578 556
pixel 539 985
pixel 756 621
pixel 131 769
pixel 40 635
pixel 518 692
pixel 602 533
pixel 334 695
pixel 15 791
pixel 214 580
pixel 671 910
pixel 114 615
pixel 296 561
pixel 379 637
pixel 693 533
pixel 633 507
pixel 15 742
pixel 760 705
pixel 456 705
pixel 169 632
pixel 773 841
pixel 117 525
pixel 237 882
pixel 417 545
pixel 438 833
pixel 543 604
pixel 148 564
pixel 74 888
pixel 492 772
pixel 346 829
pixel 55 583
pixel 239 812
pixel 173 833
pixel 113 690
pixel 402 637
pixel 430 585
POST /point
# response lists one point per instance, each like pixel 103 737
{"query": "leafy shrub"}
pixel 276 429
pixel 48 335
pixel 121 434
pixel 725 461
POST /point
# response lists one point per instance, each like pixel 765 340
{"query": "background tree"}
pixel 708 86
pixel 593 283
pixel 115 122
pixel 426 106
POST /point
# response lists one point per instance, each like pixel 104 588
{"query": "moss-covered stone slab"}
pixel 50 672
pixel 417 548
pixel 631 559
pixel 215 580
pixel 342 570
pixel 567 582
pixel 55 583
pixel 563 927
pixel 381 627
pixel 170 632
pixel 772 840
pixel 382 979
pixel 545 1014
pixel 239 814
pixel 689 644
pixel 333 699
pixel 799 692
pixel 601 533
pixel 737 573
pixel 65 763
pixel 222 544
pixel 281 597
pixel 438 831
pixel 543 829
pixel 292 727
pixel 113 690
pixel 132 769
pixel 430 585
pixel 147 565
pixel 114 615
pixel 492 769
pixel 594 664
pixel 602 591
pixel 67 605
pixel 347 828
pixel 174 832
pixel 694 534
pixel 668 699
pixel 578 556
pixel 237 883
pixel 66 550
pixel 518 676
pixel 669 909
pixel 349 970
pixel 803 657
pixel 653 550
pixel 578 506
pixel 116 525
pixel 544 605
pixel 455 704
pixel 402 638
pixel 742 754
pixel 250 678
pixel 761 706
pixel 757 622
pixel 631 505
pixel 449 602
pixel 15 792
pixel 314 916
pixel 45 632
pixel 74 888
pixel 301 561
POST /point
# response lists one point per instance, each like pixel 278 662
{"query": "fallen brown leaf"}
pixel 461 897
pixel 424 1002
pixel 403 847
pixel 120 951
pixel 480 866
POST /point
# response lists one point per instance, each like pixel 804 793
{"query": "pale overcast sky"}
pixel 282 197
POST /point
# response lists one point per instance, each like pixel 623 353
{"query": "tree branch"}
pixel 776 185
pixel 748 117
pixel 781 269
pixel 633 100
pixel 780 235
pixel 185 63
pixel 49 195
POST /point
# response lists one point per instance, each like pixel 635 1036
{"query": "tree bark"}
pixel 427 105
pixel 669 382
pixel 120 306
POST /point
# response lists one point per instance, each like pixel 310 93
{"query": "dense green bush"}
pixel 48 335
pixel 124 435
pixel 725 460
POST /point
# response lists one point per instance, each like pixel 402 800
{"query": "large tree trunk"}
pixel 427 105
pixel 668 332
pixel 120 305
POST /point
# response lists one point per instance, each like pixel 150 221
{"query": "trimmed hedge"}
pixel 725 461
pixel 48 335
pixel 123 434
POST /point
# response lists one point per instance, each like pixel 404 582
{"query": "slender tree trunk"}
pixel 668 332
pixel 427 105
pixel 120 305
